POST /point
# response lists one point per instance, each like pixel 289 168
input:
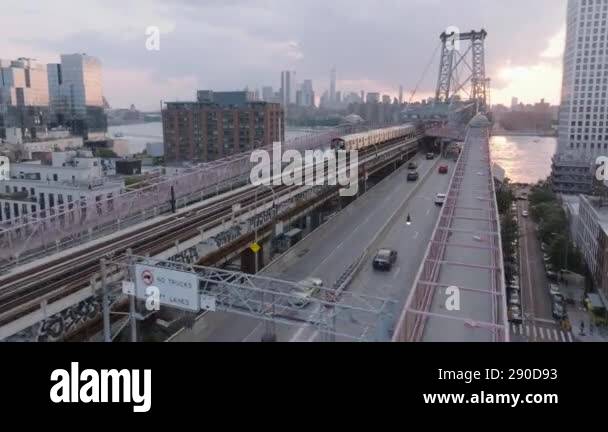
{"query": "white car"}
pixel 525 213
pixel 440 199
pixel 305 291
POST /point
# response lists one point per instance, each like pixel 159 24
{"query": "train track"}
pixel 21 294
pixel 74 272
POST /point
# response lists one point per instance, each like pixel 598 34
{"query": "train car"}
pixel 362 140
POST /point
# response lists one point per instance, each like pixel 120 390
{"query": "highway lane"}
pixel 328 251
pixel 410 242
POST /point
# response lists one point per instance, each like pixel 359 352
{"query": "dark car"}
pixel 552 276
pixel 443 169
pixel 430 156
pixel 412 176
pixel 412 165
pixel 384 260
pixel 559 311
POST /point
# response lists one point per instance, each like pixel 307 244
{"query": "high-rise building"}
pixel 24 98
pixel 386 99
pixel 400 94
pixel 76 97
pixel 267 94
pixel 583 127
pixel 288 88
pixel 332 86
pixel 372 97
pixel 219 124
pixel 307 94
pixel 23 83
pixel 514 103
pixel 362 96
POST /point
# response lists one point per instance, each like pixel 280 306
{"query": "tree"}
pixel 504 197
pixel 105 153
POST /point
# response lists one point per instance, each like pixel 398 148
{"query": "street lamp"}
pixel 270 328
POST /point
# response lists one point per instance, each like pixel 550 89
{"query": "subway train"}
pixel 362 140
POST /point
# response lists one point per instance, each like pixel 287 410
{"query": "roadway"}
pixel 538 325
pixel 376 219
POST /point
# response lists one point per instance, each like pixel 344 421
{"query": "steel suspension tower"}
pixel 460 67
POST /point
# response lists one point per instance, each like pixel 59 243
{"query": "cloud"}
pixel 557 43
pixel 230 44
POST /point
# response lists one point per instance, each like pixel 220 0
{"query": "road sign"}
pixel 128 288
pixel 255 248
pixel 177 289
pixel 208 303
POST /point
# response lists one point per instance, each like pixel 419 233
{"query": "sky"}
pixel 375 45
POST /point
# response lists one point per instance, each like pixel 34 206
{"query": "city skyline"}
pixel 526 64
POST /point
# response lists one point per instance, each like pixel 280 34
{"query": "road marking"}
pixel 534 328
pixel 556 335
pixel 545 321
pixel 252 332
pixel 569 335
pixel 296 336
pixel 428 212
pixel 542 332
pixel 304 327
pixel 562 336
pixel 527 330
pixel 397 273
pixel 416 235
pixel 313 337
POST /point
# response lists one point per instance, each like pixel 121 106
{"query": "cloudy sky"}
pixel 375 45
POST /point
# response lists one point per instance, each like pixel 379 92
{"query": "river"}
pixel 525 159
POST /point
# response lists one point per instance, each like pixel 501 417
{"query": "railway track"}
pixel 61 274
pixel 21 294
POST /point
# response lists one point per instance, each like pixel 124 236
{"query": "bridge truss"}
pixel 334 312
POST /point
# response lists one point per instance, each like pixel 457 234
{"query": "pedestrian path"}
pixel 533 332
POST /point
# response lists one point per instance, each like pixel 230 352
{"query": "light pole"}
pixel 270 328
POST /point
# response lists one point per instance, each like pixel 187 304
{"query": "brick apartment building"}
pixel 219 124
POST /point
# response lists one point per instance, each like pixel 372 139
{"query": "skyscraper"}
pixel 514 103
pixel 332 86
pixel 24 97
pixel 267 94
pixel 23 83
pixel 75 88
pixel 307 93
pixel 583 127
pixel 400 94
pixel 288 88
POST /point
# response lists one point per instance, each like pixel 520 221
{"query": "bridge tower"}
pixel 455 72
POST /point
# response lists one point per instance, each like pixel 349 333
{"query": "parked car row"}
pixel 514 313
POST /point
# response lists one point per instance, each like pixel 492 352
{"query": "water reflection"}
pixel 524 159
